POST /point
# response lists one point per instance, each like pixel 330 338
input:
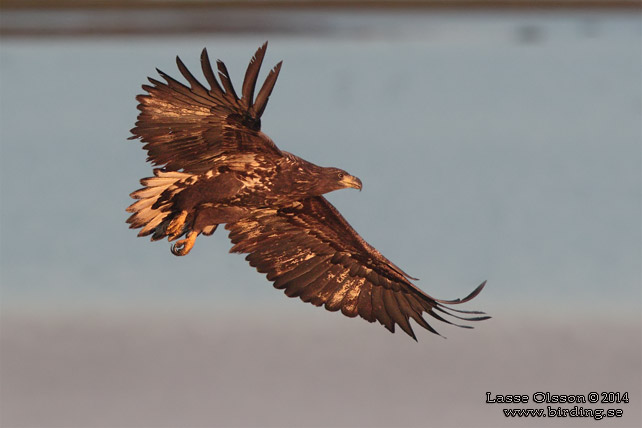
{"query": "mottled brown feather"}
pixel 313 293
pixel 191 128
pixel 312 252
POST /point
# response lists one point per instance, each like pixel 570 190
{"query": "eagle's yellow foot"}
pixel 183 247
pixel 175 228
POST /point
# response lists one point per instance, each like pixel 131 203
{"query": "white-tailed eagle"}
pixel 215 166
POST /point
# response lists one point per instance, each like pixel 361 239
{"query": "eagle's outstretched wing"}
pixel 189 127
pixel 311 251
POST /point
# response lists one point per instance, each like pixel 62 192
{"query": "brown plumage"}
pixel 217 167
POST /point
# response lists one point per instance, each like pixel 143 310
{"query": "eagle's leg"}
pixel 208 230
pixel 183 247
pixel 175 228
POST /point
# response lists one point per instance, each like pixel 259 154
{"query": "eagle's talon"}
pixel 183 247
pixel 175 250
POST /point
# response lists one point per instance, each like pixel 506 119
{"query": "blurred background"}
pixel 496 140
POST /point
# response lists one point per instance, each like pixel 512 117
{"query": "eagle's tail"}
pixel 154 209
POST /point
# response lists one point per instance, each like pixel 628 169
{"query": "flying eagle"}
pixel 215 166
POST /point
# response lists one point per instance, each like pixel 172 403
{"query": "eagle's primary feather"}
pixel 215 166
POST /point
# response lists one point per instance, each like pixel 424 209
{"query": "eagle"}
pixel 214 166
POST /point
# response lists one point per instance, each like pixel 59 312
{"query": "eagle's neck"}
pixel 299 178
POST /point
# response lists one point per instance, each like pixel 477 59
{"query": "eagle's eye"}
pixel 340 175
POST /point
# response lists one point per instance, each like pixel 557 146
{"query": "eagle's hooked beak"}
pixel 351 181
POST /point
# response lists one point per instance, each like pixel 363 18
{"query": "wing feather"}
pixel 191 127
pixel 332 285
pixel 379 309
pixel 197 87
pixel 215 91
pixel 408 308
pixel 335 300
pixel 311 252
pixel 224 75
pixel 313 293
pixel 266 90
pixel 349 306
pixel 394 312
pixel 309 279
pixel 364 303
pixel 301 269
pixel 252 73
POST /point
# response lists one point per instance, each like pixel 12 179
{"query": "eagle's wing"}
pixel 311 251
pixel 190 127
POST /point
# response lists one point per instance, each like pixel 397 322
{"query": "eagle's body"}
pixel 219 168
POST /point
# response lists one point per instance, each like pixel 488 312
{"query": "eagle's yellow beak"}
pixel 351 181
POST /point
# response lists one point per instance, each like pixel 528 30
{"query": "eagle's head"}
pixel 335 179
